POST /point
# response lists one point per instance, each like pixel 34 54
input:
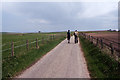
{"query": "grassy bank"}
pixel 12 66
pixel 99 64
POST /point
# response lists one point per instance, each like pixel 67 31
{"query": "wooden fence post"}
pixel 89 37
pixel 48 38
pixel 85 36
pixel 112 50
pixel 81 34
pixel 37 43
pixel 101 41
pixel 97 42
pixel 12 49
pixel 27 45
pixel 42 39
pixel 92 39
pixel 53 36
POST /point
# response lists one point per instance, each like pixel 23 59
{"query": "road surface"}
pixel 64 61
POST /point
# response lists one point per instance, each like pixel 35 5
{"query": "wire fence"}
pixel 107 46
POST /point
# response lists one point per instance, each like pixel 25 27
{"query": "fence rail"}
pixel 19 45
pixel 27 43
pixel 108 46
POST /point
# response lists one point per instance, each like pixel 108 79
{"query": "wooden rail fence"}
pixel 36 41
pixel 107 48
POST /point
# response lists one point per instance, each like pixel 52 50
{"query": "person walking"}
pixel 68 36
pixel 76 36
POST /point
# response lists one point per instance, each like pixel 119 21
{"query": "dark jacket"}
pixel 68 35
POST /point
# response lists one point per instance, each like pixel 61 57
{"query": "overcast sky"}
pixel 58 16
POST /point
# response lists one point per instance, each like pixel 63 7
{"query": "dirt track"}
pixel 64 61
pixel 109 37
pixel 113 36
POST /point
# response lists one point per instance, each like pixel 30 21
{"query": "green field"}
pixel 23 58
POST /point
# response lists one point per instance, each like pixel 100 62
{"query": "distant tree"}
pixel 109 30
pixel 114 30
pixel 39 31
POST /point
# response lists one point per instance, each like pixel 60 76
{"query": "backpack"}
pixel 75 33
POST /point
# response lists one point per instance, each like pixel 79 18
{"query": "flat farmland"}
pixel 108 37
pixel 19 40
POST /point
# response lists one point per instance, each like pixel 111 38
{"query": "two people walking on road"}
pixel 75 35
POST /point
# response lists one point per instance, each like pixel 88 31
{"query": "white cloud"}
pixel 92 10
pixel 42 21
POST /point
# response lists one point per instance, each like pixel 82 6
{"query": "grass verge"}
pixel 13 65
pixel 99 64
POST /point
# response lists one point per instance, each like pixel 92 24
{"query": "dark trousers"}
pixel 76 39
pixel 68 38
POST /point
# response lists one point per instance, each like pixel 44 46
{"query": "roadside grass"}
pixel 12 66
pixel 100 65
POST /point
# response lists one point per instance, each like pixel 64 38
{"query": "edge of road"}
pixel 19 73
pixel 84 56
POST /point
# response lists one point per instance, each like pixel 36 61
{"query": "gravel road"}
pixel 64 61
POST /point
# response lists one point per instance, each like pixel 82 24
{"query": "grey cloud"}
pixel 61 16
